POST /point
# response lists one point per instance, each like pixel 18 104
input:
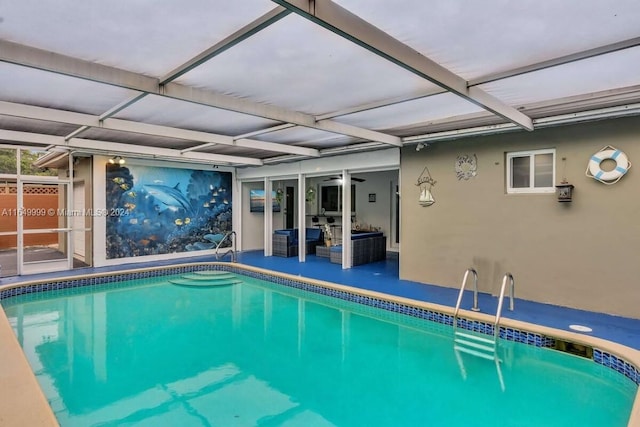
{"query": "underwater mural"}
pixel 154 210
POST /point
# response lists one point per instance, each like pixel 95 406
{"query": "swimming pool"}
pixel 290 353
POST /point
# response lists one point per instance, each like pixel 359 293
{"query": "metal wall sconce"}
pixel 565 191
pixel 117 160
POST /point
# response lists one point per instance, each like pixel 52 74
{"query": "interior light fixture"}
pixel 117 160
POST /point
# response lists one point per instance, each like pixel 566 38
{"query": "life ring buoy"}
pixel 612 176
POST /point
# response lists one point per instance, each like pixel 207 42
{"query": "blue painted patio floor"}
pixel 383 277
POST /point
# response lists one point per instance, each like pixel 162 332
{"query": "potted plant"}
pixel 327 235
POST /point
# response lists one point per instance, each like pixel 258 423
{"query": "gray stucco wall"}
pixel 584 254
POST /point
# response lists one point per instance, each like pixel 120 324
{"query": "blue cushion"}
pixel 313 234
pixel 336 248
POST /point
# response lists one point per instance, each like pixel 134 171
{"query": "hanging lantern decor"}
pixel 565 191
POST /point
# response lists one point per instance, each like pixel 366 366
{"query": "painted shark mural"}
pixel 164 210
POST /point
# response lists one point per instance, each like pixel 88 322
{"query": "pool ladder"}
pixel 229 235
pixel 474 344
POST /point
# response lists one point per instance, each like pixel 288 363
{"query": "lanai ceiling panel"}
pixel 250 66
pixel 604 72
pixel 475 39
pixel 44 127
pixel 298 65
pixel 108 135
pixel 298 135
pixel 240 151
pixel 45 89
pixel 142 36
pixel 430 108
pixel 170 112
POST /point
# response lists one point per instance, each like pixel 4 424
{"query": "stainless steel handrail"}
pixel 231 250
pixel 475 292
pixel 496 326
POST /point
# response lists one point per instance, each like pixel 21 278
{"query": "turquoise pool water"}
pixel 261 354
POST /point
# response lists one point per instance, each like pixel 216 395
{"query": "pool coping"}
pixel 23 402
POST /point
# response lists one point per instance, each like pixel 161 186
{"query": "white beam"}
pixel 262 145
pixel 560 60
pixel 121 106
pixel 344 23
pixel 243 33
pixel 40 59
pixel 125 149
pixel 268 217
pixel 197 147
pixel 267 130
pixel 80 119
pixel 76 132
pixel 61 64
pixel 244 136
pixel 199 96
pixel 302 218
pixel 347 258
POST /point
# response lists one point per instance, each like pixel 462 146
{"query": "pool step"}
pixel 209 275
pixel 204 279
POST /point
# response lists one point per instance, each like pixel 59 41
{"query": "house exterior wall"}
pixel 582 254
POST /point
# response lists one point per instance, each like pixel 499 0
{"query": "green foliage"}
pixel 8 161
pixel 27 158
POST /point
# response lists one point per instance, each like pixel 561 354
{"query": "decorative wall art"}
pixel 256 201
pixel 425 183
pixel 466 166
pixel 156 210
pixel 595 171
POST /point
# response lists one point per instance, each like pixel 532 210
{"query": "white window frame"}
pixel 531 189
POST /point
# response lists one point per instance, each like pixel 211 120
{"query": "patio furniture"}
pixel 285 241
pixel 365 248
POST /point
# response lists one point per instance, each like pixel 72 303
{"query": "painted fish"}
pixel 118 180
pixel 179 221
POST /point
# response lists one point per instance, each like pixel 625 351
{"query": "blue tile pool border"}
pixel 37 290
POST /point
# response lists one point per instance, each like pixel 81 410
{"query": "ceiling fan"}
pixel 339 177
